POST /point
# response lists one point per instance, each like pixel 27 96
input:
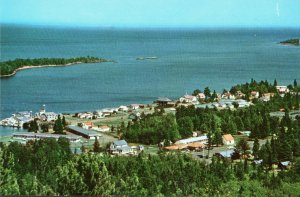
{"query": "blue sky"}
pixel 153 13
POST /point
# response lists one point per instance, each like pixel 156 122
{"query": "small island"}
pixel 9 68
pixel 295 42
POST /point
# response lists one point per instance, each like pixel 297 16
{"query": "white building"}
pixel 202 139
pixel 46 116
pixel 228 140
pixel 282 89
pixel 120 147
pixel 189 99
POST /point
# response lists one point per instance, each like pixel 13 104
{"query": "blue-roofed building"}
pixel 120 147
pixel 225 154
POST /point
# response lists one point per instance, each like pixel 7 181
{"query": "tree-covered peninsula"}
pixel 291 42
pixel 9 68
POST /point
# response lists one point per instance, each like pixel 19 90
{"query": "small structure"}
pixel 89 134
pixel 201 96
pixel 203 139
pixel 176 147
pixel 257 162
pixel 104 128
pixel 196 146
pixel 246 133
pixel 164 102
pixel 120 147
pixel 225 154
pixel 282 89
pixel 254 94
pixel 227 95
pixel 285 165
pixel 228 139
pixel 134 106
pixel 38 136
pixel 123 108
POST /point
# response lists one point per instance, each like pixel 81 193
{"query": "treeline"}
pixel 152 129
pixel 8 67
pixel 291 41
pixel 47 167
pixel 158 127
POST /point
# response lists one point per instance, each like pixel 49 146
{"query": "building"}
pixel 282 89
pixel 103 128
pixel 123 108
pixel 285 165
pixel 227 95
pixel 201 96
pixel 254 94
pixel 203 139
pixel 228 140
pixel 89 134
pixel 134 106
pixel 225 154
pixel 87 125
pixel 46 116
pixel 38 136
pixel 164 102
pixel 189 99
pixel 120 147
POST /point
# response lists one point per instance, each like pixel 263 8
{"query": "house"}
pixel 134 106
pixel 285 165
pixel 228 140
pixel 282 89
pixel 123 108
pixel 201 96
pixel 104 128
pixel 120 147
pixel 189 99
pixel 46 116
pixel 240 94
pixel 266 97
pixel 227 95
pixel 87 125
pixel 254 94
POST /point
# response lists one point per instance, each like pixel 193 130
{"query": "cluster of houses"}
pixel 198 143
pixel 20 118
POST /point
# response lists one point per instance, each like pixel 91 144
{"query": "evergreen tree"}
pixel 255 149
pixel 64 122
pixel 96 148
pixel 58 126
pixel 295 83
pixel 33 126
pixel 275 83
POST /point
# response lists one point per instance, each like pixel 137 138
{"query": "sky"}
pixel 152 13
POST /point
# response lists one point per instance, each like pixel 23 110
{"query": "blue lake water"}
pixel 187 59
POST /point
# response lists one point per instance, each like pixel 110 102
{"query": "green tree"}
pixel 97 147
pixel 58 126
pixel 207 92
pixel 255 149
pixel 33 126
pixel 185 126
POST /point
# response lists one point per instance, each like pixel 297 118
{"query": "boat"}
pixel 146 58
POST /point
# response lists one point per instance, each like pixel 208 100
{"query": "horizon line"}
pixel 65 25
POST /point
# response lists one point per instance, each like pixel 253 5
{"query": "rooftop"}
pixel 83 131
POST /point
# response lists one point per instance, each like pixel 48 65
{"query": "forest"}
pixel 9 67
pixel 47 167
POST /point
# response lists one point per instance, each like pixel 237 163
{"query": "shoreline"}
pixel 51 65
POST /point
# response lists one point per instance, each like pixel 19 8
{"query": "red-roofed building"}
pixel 228 139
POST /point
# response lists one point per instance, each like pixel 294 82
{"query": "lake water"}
pixel 187 59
